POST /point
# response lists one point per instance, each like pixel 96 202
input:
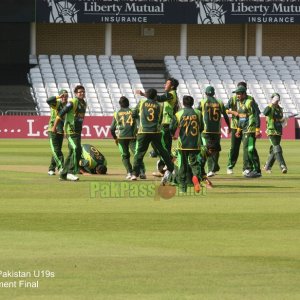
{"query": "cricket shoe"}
pixel 246 172
pixel 229 171
pixel 283 169
pixel 72 177
pixel 51 173
pixel 143 176
pixel 253 174
pixel 257 174
pixel 211 174
pixel 267 170
pixel 166 178
pixel 160 166
pixel 128 176
pixel 133 177
pixel 197 186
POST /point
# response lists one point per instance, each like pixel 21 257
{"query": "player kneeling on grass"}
pixel 275 118
pixel 189 122
pixel 92 161
pixel 124 122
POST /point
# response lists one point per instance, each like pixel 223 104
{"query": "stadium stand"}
pixel 264 76
pixel 15 92
pixel 106 78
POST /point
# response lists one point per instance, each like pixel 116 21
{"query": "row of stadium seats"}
pixel 264 76
pixel 106 78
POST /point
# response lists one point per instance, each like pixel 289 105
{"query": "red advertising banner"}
pixel 94 127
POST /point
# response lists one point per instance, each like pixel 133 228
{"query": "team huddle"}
pixel 160 119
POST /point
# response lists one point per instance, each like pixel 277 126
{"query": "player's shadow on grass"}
pixel 283 178
pixel 251 186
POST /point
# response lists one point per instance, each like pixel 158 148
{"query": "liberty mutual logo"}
pixel 210 13
pixel 62 12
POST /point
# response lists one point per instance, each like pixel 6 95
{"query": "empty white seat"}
pixel 225 77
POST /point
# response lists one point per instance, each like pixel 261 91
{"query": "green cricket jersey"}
pixel 56 106
pixel 91 158
pixel 212 110
pixel 74 113
pixel 150 113
pixel 249 120
pixel 125 123
pixel 189 122
pixel 274 118
pixel 232 105
pixel 170 105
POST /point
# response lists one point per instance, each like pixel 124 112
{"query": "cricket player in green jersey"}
pixel 150 115
pixel 189 122
pixel 73 114
pixel 231 108
pixel 249 128
pixel 275 118
pixel 124 122
pixel 212 109
pixel 170 107
pixel 205 152
pixel 92 160
pixel 56 103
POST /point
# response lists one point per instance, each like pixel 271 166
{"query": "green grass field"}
pixel 240 240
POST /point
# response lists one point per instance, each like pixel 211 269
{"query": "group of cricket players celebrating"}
pixel 161 119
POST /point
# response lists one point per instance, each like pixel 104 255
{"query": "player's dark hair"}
pixel 188 101
pixel 174 82
pixel 101 169
pixel 242 83
pixel 124 102
pixel 78 87
pixel 151 94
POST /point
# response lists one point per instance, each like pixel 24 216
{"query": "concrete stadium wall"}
pixel 128 39
pixel 221 40
pixel 70 39
pixel 281 40
pixel 202 40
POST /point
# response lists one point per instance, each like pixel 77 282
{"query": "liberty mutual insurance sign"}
pixel 265 12
pixel 167 12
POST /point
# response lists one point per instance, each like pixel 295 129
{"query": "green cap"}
pixel 274 95
pixel 210 91
pixel 240 89
pixel 62 91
